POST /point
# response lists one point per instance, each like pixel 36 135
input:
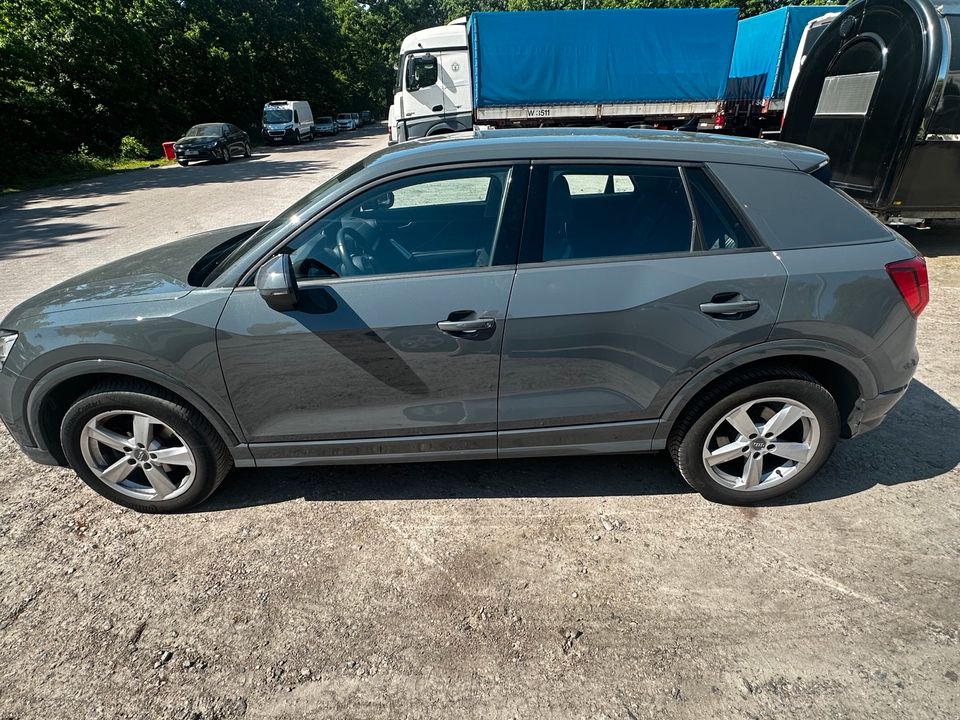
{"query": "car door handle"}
pixel 730 307
pixel 436 108
pixel 466 327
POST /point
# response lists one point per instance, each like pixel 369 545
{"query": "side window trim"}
pixel 523 166
pixel 696 238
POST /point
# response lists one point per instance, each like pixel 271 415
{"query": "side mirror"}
pixel 277 284
pixel 412 75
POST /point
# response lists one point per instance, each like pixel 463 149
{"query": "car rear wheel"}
pixel 756 436
pixel 142 448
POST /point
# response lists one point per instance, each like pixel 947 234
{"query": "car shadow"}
pixel 901 450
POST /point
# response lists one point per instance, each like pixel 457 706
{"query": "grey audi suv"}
pixel 496 294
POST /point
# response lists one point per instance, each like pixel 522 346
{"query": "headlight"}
pixel 7 339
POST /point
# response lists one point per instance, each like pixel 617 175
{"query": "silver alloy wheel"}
pixel 761 444
pixel 137 455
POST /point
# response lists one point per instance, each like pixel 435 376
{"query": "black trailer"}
pixel 879 92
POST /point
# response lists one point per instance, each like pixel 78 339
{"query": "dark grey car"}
pixel 497 294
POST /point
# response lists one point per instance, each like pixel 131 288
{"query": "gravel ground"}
pixel 566 588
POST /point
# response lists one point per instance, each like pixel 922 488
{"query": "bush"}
pixel 133 149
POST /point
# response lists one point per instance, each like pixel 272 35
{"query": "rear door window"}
pixel 720 228
pixel 595 211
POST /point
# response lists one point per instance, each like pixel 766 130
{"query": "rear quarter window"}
pixel 794 210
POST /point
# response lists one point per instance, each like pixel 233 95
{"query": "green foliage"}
pixel 132 149
pixel 97 71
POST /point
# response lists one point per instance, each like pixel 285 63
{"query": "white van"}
pixel 287 120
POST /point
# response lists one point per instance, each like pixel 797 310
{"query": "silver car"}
pixel 488 295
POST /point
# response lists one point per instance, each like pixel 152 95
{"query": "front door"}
pixel 394 345
pixel 624 301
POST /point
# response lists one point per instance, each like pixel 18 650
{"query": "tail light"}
pixel 718 121
pixel 910 277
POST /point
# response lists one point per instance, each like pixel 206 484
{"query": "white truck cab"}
pixel 433 93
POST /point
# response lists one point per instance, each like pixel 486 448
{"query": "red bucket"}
pixel 168 152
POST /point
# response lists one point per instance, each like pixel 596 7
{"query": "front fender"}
pixel 222 419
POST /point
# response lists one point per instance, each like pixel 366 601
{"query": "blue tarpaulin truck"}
pixel 760 70
pixel 663 67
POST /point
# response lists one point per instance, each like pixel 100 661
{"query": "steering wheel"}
pixel 348 237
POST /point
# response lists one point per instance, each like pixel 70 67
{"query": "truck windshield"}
pixel 277 115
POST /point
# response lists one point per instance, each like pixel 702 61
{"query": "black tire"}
pixel 689 434
pixel 225 154
pixel 246 150
pixel 182 163
pixel 213 460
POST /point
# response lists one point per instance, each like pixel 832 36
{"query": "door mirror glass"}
pixel 422 71
pixel 276 283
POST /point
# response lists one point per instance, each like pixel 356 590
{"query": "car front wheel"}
pixel 143 448
pixel 756 436
pixel 225 153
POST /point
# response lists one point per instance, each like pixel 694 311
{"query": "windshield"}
pixel 277 115
pixel 325 120
pixel 344 116
pixel 285 221
pixel 203 130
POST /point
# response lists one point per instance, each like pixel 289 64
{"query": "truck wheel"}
pixel 143 448
pixel 755 436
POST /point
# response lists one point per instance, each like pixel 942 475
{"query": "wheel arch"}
pixel 441 128
pixel 846 378
pixel 51 396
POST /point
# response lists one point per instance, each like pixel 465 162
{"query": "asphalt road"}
pixel 562 588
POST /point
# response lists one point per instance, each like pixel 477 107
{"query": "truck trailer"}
pixel 620 68
pixel 760 70
pixel 879 92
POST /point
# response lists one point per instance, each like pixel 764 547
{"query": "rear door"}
pixel 624 291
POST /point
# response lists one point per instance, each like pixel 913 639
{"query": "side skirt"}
pixel 598 439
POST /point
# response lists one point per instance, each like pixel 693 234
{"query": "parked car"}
pixel 347 121
pixel 356 119
pixel 212 141
pixel 325 125
pixel 366 118
pixel 497 294
pixel 287 121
